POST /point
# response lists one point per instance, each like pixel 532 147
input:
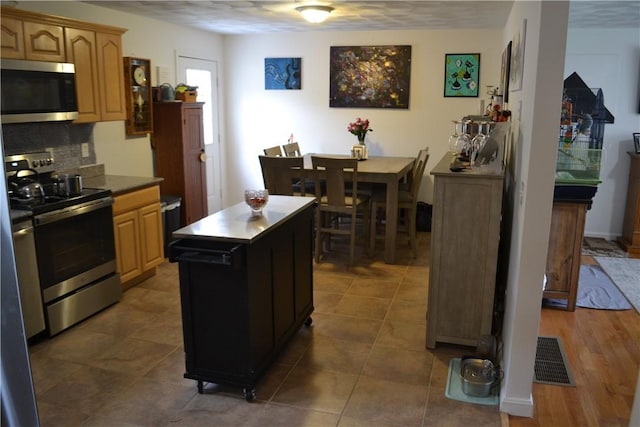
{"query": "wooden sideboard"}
pixel 465 235
pixel 564 254
pixel 630 239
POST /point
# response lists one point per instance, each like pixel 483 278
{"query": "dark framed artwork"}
pixel 504 72
pixel 636 142
pixel 370 76
pixel 282 73
pixel 461 74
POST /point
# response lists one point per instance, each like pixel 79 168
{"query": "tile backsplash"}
pixel 63 139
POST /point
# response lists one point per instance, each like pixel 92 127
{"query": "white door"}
pixel 203 73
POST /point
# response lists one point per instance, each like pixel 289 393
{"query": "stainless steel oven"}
pixel 76 261
pixel 74 243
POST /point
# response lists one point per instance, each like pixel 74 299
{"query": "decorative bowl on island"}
pixel 257 200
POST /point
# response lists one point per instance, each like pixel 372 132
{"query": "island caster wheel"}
pixel 249 393
pixel 200 388
pixel 308 322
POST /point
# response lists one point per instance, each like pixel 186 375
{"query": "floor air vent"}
pixel 551 364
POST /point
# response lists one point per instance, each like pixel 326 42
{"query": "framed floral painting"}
pixel 369 76
pixel 461 74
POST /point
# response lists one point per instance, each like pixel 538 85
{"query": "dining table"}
pixel 380 170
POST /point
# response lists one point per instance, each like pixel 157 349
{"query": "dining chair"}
pixel 330 176
pixel 282 175
pixel 292 150
pixel 273 151
pixel 407 202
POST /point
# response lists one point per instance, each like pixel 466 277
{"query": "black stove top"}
pixel 51 202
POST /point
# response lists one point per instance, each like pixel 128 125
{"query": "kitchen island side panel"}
pixel 237 317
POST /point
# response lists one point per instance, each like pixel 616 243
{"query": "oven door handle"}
pixel 72 211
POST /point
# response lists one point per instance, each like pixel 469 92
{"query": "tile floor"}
pixel 361 363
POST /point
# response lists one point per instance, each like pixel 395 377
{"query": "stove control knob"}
pixel 34 163
pixel 49 161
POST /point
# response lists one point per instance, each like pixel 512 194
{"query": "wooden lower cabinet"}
pixel 565 251
pixel 137 225
pixel 630 239
pixel 243 298
pixel 465 235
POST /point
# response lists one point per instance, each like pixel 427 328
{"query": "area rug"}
pixel 625 273
pixel 596 290
pixel 596 246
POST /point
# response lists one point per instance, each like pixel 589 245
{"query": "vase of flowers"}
pixel 360 128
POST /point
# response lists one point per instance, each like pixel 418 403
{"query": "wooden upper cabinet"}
pixel 111 76
pixel 96 51
pixel 81 50
pixel 44 42
pixel 12 38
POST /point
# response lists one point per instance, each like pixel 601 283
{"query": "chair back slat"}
pixel 281 173
pixel 292 150
pixel 336 173
pixel 273 151
pixel 418 172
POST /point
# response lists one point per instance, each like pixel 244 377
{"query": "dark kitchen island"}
pixel 246 286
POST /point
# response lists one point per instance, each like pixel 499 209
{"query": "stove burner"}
pixel 51 202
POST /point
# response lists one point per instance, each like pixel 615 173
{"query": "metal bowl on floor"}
pixel 477 376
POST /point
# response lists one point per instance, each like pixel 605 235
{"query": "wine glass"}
pixel 464 139
pixel 257 200
pixel 453 138
pixel 454 146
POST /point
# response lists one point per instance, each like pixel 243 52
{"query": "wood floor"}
pixel 603 351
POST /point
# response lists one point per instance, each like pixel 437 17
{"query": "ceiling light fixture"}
pixel 314 13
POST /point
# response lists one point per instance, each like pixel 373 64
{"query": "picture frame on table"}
pixel 636 142
pixel 461 75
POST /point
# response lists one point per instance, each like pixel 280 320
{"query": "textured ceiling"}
pixel 250 17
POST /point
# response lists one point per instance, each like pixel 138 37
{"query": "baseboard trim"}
pixel 517 407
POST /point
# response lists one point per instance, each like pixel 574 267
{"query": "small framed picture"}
pixel 461 74
pixel 283 73
pixel 636 142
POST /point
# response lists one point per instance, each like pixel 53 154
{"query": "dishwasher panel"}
pixel 28 282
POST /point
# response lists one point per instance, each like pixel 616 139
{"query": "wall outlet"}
pixel 85 149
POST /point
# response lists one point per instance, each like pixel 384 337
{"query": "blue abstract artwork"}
pixel 282 73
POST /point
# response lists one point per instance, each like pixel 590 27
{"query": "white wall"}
pixel 610 59
pixel 259 118
pixel 532 192
pixel 145 38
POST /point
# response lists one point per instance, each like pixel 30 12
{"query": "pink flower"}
pixel 359 128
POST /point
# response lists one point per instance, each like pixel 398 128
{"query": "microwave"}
pixel 36 91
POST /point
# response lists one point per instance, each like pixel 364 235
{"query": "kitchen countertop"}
pixel 119 184
pixel 94 177
pixel 235 223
